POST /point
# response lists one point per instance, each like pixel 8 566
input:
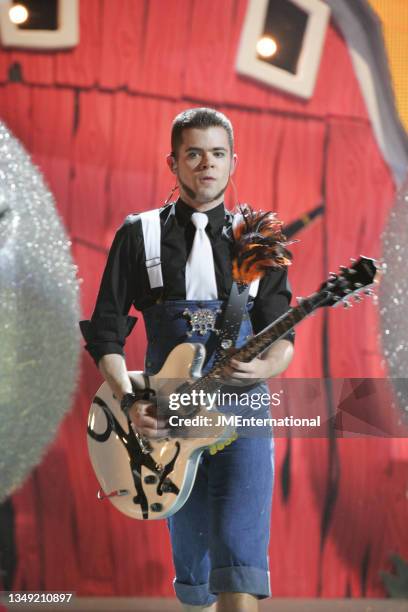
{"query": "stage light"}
pixel 18 14
pixel 42 14
pixel 266 46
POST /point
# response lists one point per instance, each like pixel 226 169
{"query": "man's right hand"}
pixel 143 418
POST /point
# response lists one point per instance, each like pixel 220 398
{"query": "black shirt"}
pixel 125 280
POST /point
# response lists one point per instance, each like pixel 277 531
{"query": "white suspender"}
pixel 152 246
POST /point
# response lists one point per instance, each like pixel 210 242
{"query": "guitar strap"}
pixel 231 321
pixel 237 302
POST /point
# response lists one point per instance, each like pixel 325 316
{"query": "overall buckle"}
pixel 202 320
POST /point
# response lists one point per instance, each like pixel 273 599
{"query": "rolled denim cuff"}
pixel 241 579
pixel 194 595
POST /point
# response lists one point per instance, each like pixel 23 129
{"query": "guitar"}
pixel 152 478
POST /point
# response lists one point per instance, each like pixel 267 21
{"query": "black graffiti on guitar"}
pixel 136 457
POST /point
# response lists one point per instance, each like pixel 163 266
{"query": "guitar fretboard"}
pixel 212 381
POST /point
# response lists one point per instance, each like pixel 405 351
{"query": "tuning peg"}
pixel 299 300
pixel 369 292
pixel 353 259
pixel 358 299
pixel 344 268
pixel 347 304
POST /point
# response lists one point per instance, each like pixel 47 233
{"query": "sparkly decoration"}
pixel 226 344
pixel 39 348
pixel 202 321
pixel 394 298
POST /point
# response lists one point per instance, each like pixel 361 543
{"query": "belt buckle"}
pixel 202 320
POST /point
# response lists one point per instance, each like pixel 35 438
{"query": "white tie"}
pixel 200 272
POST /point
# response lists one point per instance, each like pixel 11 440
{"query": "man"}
pixel 220 536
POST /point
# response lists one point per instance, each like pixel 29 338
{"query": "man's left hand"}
pixel 272 363
pixel 243 373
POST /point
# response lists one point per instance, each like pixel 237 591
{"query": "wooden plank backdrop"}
pixel 97 121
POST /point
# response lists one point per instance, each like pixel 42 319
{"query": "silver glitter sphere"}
pixel 394 298
pixel 39 311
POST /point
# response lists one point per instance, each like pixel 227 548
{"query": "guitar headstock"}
pixel 350 281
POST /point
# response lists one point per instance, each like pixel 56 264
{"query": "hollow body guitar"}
pixel 152 478
pixel 162 471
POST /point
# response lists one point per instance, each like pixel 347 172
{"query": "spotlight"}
pixel 42 14
pixel 266 46
pixel 18 14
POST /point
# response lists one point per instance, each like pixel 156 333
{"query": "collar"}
pixel 216 216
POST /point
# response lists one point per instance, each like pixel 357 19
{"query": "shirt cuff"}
pixel 106 334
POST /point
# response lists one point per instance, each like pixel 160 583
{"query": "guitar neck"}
pixel 210 382
pixel 264 339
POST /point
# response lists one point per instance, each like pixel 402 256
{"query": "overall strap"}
pixel 152 245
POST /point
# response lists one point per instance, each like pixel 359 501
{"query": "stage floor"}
pixel 118 604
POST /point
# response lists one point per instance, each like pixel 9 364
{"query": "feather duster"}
pixel 259 244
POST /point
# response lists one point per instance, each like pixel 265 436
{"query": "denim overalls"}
pixel 220 536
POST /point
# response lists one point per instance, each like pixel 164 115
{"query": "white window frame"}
pixel 302 83
pixel 65 37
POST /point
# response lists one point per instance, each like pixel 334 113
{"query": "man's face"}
pixel 203 166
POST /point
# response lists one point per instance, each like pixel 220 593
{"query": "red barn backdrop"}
pixel 96 121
